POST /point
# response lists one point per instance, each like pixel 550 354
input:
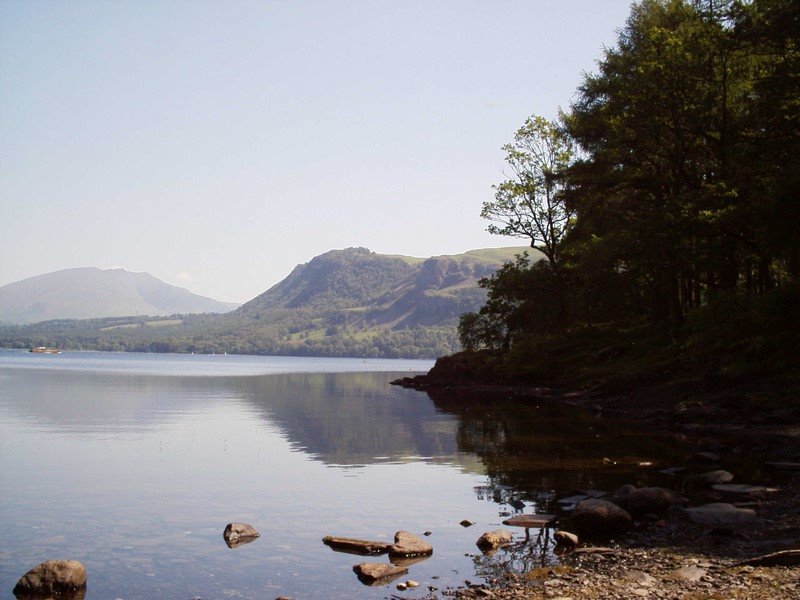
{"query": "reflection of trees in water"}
pixel 352 418
pixel 532 447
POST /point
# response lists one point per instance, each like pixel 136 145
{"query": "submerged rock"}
pixel 600 519
pixel 52 577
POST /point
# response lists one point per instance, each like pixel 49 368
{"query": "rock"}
pixel 407 544
pixel 690 573
pixel 528 521
pixel 565 538
pixel 494 539
pixel 517 504
pixel 673 471
pixel 412 584
pixel 720 515
pixel 740 489
pixel 600 519
pixel 569 503
pixel 237 534
pixel 466 523
pixel 652 500
pixel 377 573
pixel 708 456
pixel 355 545
pixel 713 478
pixel 401 586
pixel 620 497
pixel 52 577
pixel 640 577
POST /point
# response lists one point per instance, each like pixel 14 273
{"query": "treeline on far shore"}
pixel 203 334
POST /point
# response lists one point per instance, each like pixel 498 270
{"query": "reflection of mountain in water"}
pixel 82 402
pixel 355 418
pixel 339 419
pixel 531 445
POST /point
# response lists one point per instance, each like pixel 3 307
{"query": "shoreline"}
pixel 668 556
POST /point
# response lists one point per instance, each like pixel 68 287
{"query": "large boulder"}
pixel 407 544
pixel 52 577
pixel 600 520
pixel 652 500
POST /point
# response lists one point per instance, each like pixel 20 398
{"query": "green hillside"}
pixel 350 302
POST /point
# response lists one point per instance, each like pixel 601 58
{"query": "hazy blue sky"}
pixel 218 144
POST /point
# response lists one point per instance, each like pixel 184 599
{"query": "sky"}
pixel 217 144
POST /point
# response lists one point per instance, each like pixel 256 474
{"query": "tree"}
pixel 663 175
pixel 530 203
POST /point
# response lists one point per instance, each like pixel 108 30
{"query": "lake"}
pixel 134 463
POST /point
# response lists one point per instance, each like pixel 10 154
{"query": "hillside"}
pixel 350 302
pixel 89 292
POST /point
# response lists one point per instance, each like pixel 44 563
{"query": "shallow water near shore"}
pixel 133 464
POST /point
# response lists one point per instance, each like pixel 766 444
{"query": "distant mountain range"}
pixel 89 292
pixel 350 302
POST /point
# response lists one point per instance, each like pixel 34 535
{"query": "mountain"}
pixel 360 303
pixel 89 292
pixel 350 302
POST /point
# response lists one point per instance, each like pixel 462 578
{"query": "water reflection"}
pixel 345 419
pixel 136 474
pixel 535 449
pixel 354 418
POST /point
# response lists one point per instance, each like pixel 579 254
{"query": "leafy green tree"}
pixel 530 203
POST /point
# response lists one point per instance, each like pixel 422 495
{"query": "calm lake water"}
pixel 134 463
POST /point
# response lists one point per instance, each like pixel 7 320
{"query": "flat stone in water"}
pixel 377 573
pixel 528 521
pixel 355 546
